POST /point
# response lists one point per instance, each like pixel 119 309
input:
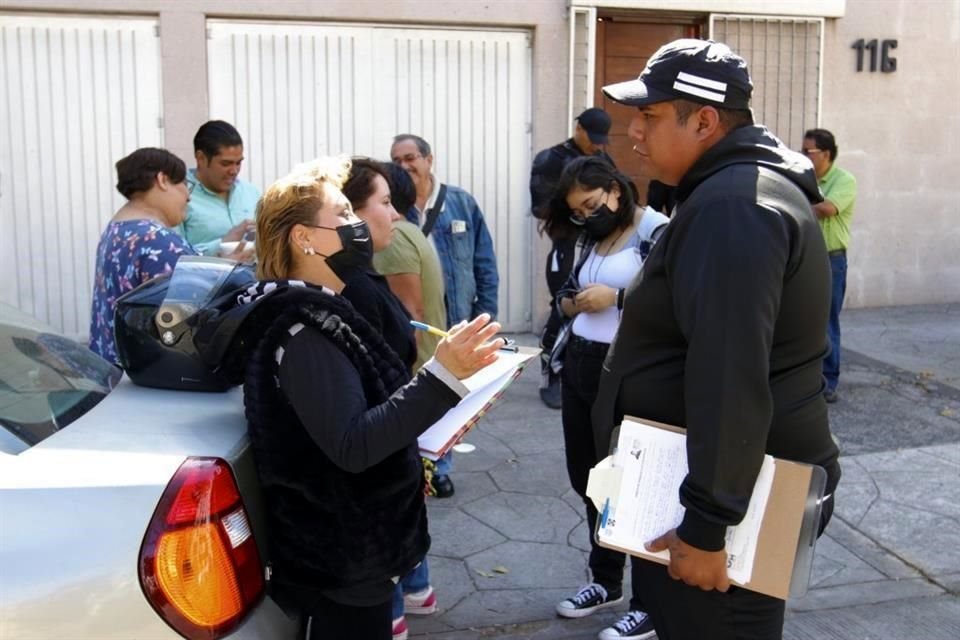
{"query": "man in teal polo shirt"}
pixel 222 206
pixel 835 214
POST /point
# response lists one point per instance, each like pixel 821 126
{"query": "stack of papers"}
pixel 641 501
pixel 485 386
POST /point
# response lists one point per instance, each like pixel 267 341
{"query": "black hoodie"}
pixel 724 329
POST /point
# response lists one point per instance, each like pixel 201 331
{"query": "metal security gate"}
pixel 785 56
pixel 78 93
pixel 296 91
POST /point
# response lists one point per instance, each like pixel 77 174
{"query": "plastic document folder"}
pixel 636 491
pixel 486 386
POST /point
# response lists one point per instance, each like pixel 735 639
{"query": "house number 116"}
pixel 888 64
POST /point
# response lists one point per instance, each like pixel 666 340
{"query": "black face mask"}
pixel 601 223
pixel 357 251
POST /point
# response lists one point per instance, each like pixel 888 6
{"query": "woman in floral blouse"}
pixel 139 242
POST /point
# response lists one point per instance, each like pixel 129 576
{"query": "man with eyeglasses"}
pixel 222 206
pixel 456 227
pixel 835 214
pixel 453 222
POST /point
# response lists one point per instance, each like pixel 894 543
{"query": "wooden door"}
pixel 623 48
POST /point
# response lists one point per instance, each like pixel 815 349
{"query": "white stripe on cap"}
pixel 697 91
pixel 689 78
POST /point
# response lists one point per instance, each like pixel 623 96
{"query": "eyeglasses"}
pixel 410 157
pixel 810 152
pixel 580 220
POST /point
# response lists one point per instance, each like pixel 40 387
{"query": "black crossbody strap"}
pixel 434 211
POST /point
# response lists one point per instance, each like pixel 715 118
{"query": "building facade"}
pixel 488 83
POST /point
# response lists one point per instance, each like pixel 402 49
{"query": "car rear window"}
pixel 47 381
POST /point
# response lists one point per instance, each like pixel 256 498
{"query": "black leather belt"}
pixel 838 252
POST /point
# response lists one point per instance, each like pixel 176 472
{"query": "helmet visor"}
pixel 195 281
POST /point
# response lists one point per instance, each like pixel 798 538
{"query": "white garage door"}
pixel 296 91
pixel 78 93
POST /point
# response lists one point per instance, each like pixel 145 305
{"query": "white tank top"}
pixel 616 271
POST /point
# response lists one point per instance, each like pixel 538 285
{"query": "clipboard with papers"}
pixel 486 386
pixel 636 491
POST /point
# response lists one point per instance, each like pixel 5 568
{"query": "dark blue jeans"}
pixel 416 580
pixel 580 377
pixel 831 364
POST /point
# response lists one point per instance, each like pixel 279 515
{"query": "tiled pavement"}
pixel 512 541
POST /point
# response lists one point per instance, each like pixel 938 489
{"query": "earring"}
pixel 309 251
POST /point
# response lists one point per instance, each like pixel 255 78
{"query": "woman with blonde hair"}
pixel 334 414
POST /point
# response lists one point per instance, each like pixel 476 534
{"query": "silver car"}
pixel 125 512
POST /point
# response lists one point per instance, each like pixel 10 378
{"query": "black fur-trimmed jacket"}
pixel 333 419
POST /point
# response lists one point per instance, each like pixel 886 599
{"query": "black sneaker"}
pixel 589 599
pixel 830 395
pixel 634 625
pixel 442 486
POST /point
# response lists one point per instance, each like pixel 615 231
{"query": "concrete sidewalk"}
pixel 512 541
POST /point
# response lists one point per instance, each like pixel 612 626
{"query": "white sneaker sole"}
pixel 569 612
pixel 642 636
pixel 419 611
pixel 415 603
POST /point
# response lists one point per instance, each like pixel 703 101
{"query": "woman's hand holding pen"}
pixel 468 347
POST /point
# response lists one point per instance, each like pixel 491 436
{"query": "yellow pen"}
pixel 423 326
pixel 508 345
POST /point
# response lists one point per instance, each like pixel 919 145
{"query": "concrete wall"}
pixel 899 134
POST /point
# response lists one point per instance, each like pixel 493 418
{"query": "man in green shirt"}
pixel 222 206
pixel 835 214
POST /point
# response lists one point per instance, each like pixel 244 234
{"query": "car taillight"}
pixel 199 564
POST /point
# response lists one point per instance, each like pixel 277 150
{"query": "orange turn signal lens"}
pixel 195 573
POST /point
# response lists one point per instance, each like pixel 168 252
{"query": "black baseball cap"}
pixel 596 122
pixel 703 71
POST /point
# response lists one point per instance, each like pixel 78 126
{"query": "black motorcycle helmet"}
pixel 175 331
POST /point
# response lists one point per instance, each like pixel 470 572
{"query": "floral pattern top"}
pixel 130 253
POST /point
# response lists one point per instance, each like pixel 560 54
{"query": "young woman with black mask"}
pixel 615 237
pixel 333 412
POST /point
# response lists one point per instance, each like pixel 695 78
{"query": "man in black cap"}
pixel 723 330
pixel 589 138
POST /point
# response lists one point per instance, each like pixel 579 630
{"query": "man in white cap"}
pixel 723 331
pixel 590 136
